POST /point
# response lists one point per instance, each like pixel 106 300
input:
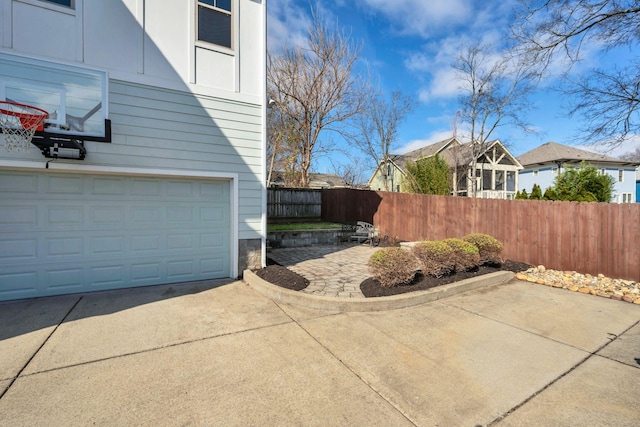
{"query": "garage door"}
pixel 67 233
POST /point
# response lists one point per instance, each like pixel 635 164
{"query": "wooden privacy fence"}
pixel 586 237
pixel 294 204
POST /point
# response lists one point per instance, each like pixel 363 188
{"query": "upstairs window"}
pixel 620 175
pixel 67 3
pixel 214 22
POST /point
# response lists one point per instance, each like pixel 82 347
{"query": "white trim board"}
pixel 57 166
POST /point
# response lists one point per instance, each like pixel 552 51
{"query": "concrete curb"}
pixel 410 299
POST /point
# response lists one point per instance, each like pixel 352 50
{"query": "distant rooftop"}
pixel 552 152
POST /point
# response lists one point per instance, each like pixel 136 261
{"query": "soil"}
pixel 281 276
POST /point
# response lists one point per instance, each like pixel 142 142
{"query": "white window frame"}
pixel 536 172
pixel 554 171
pixel 620 175
pixel 211 45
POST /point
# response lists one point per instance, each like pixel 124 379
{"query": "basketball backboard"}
pixel 76 98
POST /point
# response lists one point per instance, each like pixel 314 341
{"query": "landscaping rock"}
pixel 599 285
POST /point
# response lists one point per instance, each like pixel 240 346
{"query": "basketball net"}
pixel 19 123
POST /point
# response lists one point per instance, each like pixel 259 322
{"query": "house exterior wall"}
pixel 175 103
pixel 546 176
pixel 132 39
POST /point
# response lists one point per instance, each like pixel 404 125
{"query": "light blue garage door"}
pixel 68 233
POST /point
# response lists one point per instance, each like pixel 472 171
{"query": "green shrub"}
pixel 522 195
pixel 393 266
pixel 550 194
pixel 465 255
pixel 536 193
pixel 437 257
pixel 489 248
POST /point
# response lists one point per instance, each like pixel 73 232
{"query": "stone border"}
pixel 409 299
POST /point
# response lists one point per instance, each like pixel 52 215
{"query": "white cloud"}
pixel 629 145
pixel 445 84
pixel 422 18
pixel 288 23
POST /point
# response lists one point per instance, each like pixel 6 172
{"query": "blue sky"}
pixel 411 44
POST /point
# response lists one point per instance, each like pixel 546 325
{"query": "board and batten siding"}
pixel 160 128
pixel 164 128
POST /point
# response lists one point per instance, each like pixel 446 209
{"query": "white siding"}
pixel 167 129
pixel 146 41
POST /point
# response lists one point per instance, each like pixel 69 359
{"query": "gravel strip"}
pixel 616 289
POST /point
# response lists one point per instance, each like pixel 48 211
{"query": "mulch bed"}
pixel 371 287
pixel 283 277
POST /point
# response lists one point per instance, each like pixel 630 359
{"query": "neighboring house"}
pixel 542 165
pixel 495 177
pixel 150 168
pixel 389 176
pixel 316 180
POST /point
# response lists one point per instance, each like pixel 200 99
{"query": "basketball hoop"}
pixel 19 122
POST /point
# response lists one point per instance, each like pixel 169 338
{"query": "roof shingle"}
pixel 552 152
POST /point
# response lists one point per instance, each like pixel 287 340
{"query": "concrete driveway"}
pixel 224 354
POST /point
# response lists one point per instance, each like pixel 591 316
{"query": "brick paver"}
pixel 335 271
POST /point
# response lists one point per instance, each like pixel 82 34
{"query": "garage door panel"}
pixel 19 249
pixel 18 215
pixel 145 188
pixel 65 280
pixel 213 266
pixel 64 247
pixel 106 245
pixel 20 183
pixel 180 214
pixel 69 214
pixel 69 233
pixel 107 215
pixel 108 276
pixel 65 185
pixel 107 186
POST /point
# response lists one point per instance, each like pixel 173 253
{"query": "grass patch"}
pixel 304 226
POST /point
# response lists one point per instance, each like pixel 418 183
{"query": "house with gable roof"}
pixel 495 175
pixel 543 164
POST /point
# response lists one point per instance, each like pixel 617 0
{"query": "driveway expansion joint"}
pixel 19 374
pixel 143 351
pixel 564 374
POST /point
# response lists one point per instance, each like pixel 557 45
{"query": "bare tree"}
pixel 494 94
pixel 316 87
pixel 377 128
pixel 282 146
pixel 560 30
pixel 351 173
pixel 633 156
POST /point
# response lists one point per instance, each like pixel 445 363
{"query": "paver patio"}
pixel 334 271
